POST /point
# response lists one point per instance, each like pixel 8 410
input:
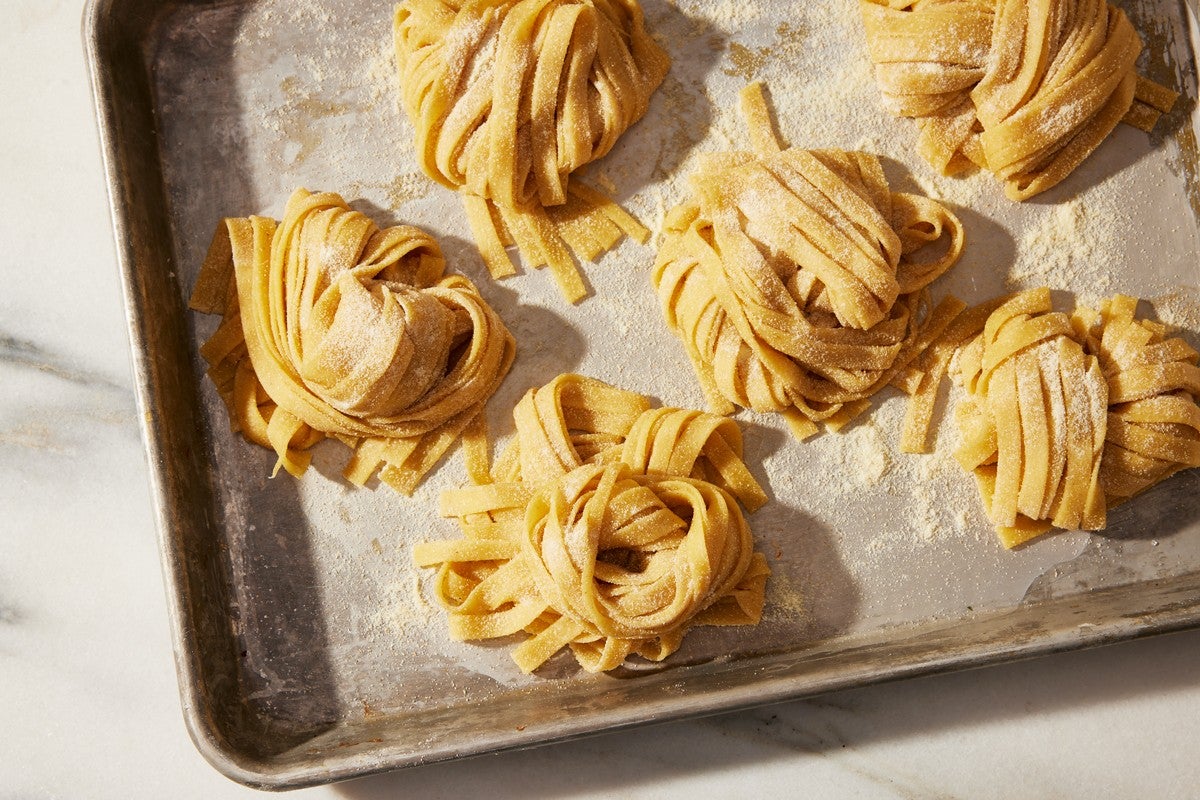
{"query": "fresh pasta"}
pixel 509 98
pixel 332 327
pixel 1153 384
pixel 1033 420
pixel 606 526
pixel 1065 416
pixel 1026 89
pixel 795 278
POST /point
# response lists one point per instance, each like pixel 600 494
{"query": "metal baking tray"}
pixel 306 644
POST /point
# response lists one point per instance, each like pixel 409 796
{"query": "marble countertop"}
pixel 88 698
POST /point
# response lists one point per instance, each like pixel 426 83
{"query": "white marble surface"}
pixel 88 702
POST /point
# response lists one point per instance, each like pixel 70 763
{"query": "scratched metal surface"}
pixel 307 646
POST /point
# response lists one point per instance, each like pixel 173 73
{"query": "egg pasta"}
pixel 508 99
pixel 606 526
pixel 1026 89
pixel 795 278
pixel 332 327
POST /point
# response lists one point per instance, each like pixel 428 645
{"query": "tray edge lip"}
pixel 334 769
pixel 215 749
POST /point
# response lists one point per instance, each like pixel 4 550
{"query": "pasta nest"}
pixel 1067 415
pixel 607 526
pixel 1026 89
pixel 793 277
pixel 510 97
pixel 333 327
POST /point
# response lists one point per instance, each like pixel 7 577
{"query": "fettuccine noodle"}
pixel 794 280
pixel 509 98
pixel 1067 416
pixel 606 526
pixel 333 327
pixel 1026 89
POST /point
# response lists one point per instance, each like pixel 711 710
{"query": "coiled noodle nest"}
pixel 509 98
pixel 334 328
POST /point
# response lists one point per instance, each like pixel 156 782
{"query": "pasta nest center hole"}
pixel 633 555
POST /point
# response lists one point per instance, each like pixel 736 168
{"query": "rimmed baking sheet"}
pixel 308 645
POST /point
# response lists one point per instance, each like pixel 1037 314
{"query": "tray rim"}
pixel 274 774
pixel 198 723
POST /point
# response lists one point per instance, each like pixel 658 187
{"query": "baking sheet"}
pixel 310 647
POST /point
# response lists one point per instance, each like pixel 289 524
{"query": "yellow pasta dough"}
pixel 1065 416
pixel 333 327
pixel 795 278
pixel 1153 383
pixel 1026 89
pixel 509 98
pixel 606 526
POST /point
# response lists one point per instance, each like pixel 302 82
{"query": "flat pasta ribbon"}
pixel 509 98
pixel 795 278
pixel 1026 89
pixel 1067 416
pixel 333 327
pixel 606 526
